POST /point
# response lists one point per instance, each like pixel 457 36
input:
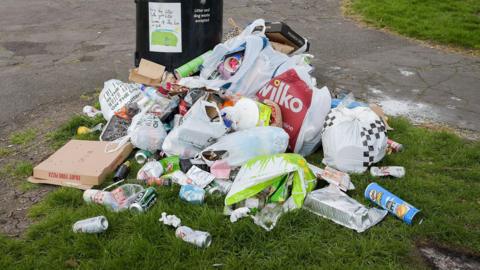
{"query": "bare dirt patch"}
pixel 447 258
pixel 16 197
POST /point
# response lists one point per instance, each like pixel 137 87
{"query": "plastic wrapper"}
pixel 335 205
pixel 268 217
pixel 199 177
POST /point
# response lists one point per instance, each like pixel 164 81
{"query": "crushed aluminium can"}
pixel 192 194
pixel 144 200
pixel 197 238
pixel 395 171
pixel 91 225
pixel 391 203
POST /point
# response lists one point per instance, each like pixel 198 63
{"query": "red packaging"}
pixel 293 96
pixel 183 107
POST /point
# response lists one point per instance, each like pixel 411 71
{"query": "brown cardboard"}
pixel 379 111
pixel 148 73
pixel 80 164
pixel 283 48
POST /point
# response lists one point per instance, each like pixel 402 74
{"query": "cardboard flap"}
pixel 150 69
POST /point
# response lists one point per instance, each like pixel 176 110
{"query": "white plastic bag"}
pixel 259 63
pixel 353 139
pixel 239 147
pixel 116 94
pixel 147 132
pixel 200 127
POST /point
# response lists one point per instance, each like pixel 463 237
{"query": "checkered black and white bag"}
pixel 353 139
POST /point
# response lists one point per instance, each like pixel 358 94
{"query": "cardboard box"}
pixel 79 164
pixel 148 73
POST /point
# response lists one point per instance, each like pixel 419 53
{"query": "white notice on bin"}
pixel 165 24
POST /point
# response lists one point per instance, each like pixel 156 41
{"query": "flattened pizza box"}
pixel 79 164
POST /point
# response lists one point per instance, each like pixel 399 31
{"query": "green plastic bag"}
pixel 264 171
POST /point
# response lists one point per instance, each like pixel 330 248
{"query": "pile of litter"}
pixel 240 129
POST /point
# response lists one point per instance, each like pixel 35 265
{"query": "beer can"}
pixel 91 225
pixel 192 194
pixel 395 171
pixel 141 156
pixel 159 182
pixel 391 203
pixel 396 147
pixel 144 200
pixel 197 238
pixel 191 67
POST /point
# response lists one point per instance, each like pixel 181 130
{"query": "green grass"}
pixel 17 169
pixel 5 152
pixel 449 22
pixel 23 137
pixel 442 179
pixel 69 130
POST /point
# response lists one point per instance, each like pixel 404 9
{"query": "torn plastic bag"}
pixel 303 107
pixel 200 127
pixel 353 139
pixel 264 171
pixel 239 147
pixel 335 205
pixel 259 63
pixel 116 94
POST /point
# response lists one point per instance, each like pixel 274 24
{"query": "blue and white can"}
pixel 391 203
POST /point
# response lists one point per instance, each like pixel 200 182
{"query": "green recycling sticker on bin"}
pixel 264 171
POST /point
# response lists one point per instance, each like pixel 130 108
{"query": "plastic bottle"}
pixel 117 200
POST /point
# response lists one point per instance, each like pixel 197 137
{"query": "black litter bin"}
pixel 172 33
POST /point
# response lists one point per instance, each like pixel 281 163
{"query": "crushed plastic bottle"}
pixel 116 200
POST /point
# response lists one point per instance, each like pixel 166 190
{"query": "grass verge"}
pixel 442 179
pixel 448 22
pixel 23 137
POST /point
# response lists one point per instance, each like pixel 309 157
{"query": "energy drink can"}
pixel 141 156
pixel 145 200
pixel 197 238
pixel 192 194
pixel 396 147
pixel 191 67
pixel 391 203
pixel 91 225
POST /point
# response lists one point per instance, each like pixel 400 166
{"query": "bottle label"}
pixel 165 21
